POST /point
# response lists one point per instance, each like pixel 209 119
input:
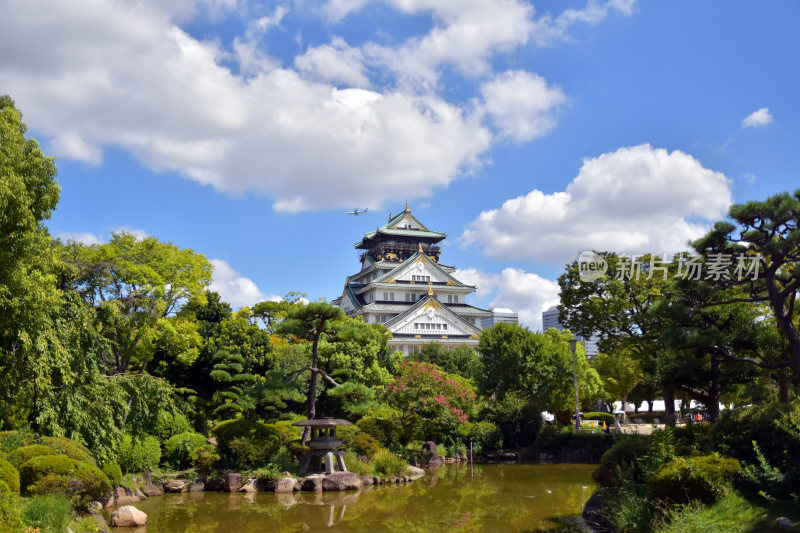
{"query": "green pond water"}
pixel 503 498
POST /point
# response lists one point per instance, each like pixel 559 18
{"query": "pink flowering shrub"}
pixel 431 402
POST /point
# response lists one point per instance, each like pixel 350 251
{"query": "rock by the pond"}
pixel 139 494
pixel 431 453
pixel 151 490
pixel 285 485
pixel 416 472
pixel 341 481
pixel 250 486
pixel 95 507
pixel 376 480
pixel 197 486
pixel 124 496
pixel 128 516
pixel 233 482
pixel 594 513
pixel 146 476
pixel 100 521
pixel 177 485
pixel 366 480
pixel 312 483
pixel 784 523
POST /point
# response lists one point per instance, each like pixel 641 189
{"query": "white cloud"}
pixel 234 288
pixel 758 118
pixel 337 62
pixel 81 237
pixel 140 234
pixel 124 75
pixel 636 199
pixel 173 104
pixel 521 105
pixel 523 292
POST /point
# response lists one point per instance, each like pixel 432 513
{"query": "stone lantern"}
pixel 323 445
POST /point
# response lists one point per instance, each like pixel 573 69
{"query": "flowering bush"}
pixel 431 403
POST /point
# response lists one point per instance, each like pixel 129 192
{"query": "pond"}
pixel 503 498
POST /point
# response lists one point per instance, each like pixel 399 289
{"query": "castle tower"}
pixel 403 286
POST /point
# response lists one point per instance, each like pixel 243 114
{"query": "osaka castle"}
pixel 403 286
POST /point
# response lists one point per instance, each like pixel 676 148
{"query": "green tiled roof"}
pixel 412 259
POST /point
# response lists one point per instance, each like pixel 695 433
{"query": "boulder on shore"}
pixel 177 485
pixel 128 516
pixel 151 490
pixel 366 480
pixel 416 472
pixel 312 483
pixel 431 453
pixel 233 482
pixel 341 481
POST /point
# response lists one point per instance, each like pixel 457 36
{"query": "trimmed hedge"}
pixel 245 443
pixel 137 455
pixel 701 478
pixel 169 425
pixel 230 430
pixel 9 476
pixel 70 448
pixel 11 440
pixel 178 448
pixel 607 417
pixel 22 455
pixel 47 474
pixel 357 441
pixel 113 472
pixel 204 458
pixel 620 458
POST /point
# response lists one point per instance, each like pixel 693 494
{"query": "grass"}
pixel 50 512
pixel 732 513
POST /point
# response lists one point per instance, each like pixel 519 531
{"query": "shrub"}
pixel 10 515
pixel 9 476
pixel 57 473
pixel 11 440
pixel 384 463
pixel 619 459
pixel 113 472
pixel 26 453
pixel 608 418
pixel 589 446
pixel 285 431
pixel 51 512
pixel 204 458
pixel 297 450
pixel 245 443
pixel 483 434
pixel 355 464
pixel 168 425
pixel 518 420
pixel 702 478
pixel 179 447
pixel 70 448
pixel 382 429
pixel 359 442
pixel 136 455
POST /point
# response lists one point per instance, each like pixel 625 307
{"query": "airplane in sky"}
pixel 356 212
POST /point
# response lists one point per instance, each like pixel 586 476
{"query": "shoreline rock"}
pixel 128 516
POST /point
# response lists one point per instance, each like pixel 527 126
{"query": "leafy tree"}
pixel 315 322
pixel 273 312
pixel 360 356
pixel 134 285
pixel 767 232
pixel 536 365
pixel 31 351
pixel 462 360
pixel 620 374
pixel 432 403
pixel 232 398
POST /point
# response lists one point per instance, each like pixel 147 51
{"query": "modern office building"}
pixel 550 320
pixel 402 285
pixel 499 314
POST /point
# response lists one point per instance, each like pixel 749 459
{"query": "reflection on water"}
pixel 494 498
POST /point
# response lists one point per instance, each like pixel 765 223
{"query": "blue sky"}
pixel 526 131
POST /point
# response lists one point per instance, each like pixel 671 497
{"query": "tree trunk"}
pixel 783 385
pixel 669 405
pixel 649 407
pixel 713 394
pixel 312 388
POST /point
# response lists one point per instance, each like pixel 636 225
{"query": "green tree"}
pixel 768 233
pixel 232 398
pixel 461 360
pixel 315 322
pixel 32 354
pixel 134 285
pixel 620 373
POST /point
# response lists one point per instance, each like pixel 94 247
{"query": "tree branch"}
pixel 297 373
